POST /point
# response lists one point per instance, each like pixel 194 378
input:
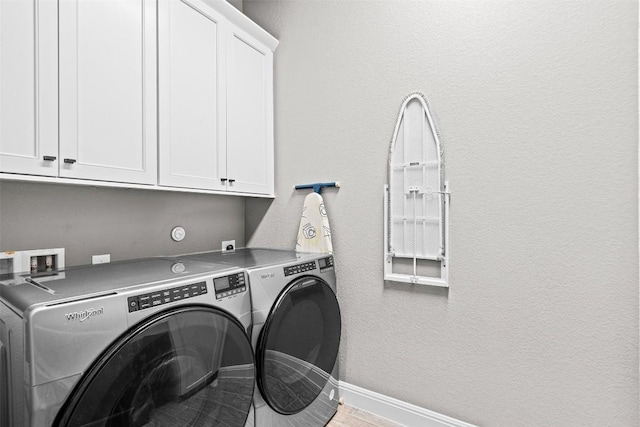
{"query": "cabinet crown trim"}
pixel 243 22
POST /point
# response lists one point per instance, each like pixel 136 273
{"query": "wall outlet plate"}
pixel 228 246
pixel 101 259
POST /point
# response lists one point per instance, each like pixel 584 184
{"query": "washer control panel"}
pixel 299 268
pixel 229 285
pixel 165 296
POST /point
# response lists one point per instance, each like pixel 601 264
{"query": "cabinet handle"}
pixel 49 158
pixel 70 161
pixel 223 180
pixel 231 181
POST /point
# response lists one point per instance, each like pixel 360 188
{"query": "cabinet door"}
pixel 28 87
pixel 108 104
pixel 191 95
pixel 249 114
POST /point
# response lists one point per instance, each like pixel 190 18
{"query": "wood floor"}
pixel 348 416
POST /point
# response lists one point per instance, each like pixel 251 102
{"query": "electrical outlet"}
pixel 101 259
pixel 228 246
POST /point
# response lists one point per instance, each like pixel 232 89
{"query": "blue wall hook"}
pixel 318 186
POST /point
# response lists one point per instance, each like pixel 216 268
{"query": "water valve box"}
pixel 37 261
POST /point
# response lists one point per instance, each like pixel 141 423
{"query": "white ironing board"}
pixel 416 198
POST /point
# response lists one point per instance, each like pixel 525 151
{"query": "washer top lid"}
pixel 24 290
pixel 252 257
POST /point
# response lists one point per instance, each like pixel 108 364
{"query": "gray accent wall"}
pixel 124 223
pixel 537 105
pixel 236 3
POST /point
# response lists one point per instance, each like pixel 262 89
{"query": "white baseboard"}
pixel 395 410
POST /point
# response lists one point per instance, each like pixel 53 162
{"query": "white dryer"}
pixel 296 334
pixel 148 342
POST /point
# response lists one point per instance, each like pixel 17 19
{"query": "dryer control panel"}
pixel 165 296
pixel 229 285
pixel 325 264
pixel 299 268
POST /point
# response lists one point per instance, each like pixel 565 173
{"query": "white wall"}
pixel 536 102
pixel 125 223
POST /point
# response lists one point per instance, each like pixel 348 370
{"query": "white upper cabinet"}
pixel 108 102
pixel 169 94
pixel 216 98
pixel 191 96
pixel 249 114
pixel 28 87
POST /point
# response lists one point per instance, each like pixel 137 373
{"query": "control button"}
pixel 166 300
pixel 144 305
pixel 133 304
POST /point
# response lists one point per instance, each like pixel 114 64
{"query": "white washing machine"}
pixel 155 342
pixel 296 334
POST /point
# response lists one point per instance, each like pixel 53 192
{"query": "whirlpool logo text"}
pixel 84 315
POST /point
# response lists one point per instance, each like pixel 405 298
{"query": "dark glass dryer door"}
pixel 191 366
pixel 298 345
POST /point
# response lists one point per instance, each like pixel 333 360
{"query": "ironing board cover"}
pixel 314 234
